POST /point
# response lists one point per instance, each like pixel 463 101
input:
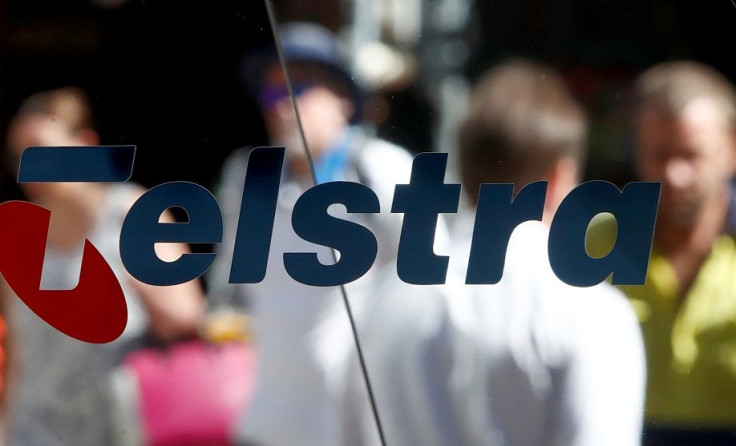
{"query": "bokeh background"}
pixel 164 75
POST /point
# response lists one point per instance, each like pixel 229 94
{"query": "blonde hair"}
pixel 671 86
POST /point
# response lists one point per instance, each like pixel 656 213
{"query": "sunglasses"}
pixel 273 94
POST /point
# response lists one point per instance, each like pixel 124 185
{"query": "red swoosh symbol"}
pixel 94 311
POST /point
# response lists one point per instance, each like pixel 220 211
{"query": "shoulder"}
pixel 382 162
pixel 597 321
pixel 235 163
pixel 399 313
pixel 564 312
pixel 123 196
pixel 725 246
pixel 229 183
pixel 604 306
pixel 239 154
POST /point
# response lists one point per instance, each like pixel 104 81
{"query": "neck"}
pixel 696 237
pixel 73 215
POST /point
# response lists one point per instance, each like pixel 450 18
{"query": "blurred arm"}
pixel 173 311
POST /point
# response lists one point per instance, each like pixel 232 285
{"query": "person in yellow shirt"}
pixel 685 135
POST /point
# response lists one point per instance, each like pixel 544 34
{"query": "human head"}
pixel 523 125
pixel 328 98
pixel 685 124
pixel 60 117
pixel 68 107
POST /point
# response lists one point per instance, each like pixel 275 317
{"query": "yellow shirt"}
pixel 691 342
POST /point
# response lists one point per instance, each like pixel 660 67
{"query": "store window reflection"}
pixel 196 86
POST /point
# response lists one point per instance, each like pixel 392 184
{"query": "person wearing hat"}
pixel 58 390
pixel 299 362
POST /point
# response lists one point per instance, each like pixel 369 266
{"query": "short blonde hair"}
pixel 671 86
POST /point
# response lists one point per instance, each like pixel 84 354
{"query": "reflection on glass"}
pixel 302 331
pixel 197 86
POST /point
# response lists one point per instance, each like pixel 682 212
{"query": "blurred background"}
pixel 164 75
pixel 167 76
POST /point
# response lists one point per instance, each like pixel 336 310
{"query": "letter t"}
pixel 421 201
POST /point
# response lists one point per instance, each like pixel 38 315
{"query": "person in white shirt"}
pixel 529 360
pixel 294 401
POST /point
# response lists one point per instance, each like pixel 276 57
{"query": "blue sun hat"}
pixel 305 43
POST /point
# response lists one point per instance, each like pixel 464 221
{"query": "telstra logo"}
pixel 95 311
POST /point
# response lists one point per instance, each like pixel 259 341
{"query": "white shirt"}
pixel 527 361
pixel 298 356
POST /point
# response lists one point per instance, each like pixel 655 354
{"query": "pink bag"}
pixel 192 393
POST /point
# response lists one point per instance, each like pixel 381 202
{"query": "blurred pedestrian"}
pixel 294 402
pixel 59 396
pixel 685 127
pixel 529 360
